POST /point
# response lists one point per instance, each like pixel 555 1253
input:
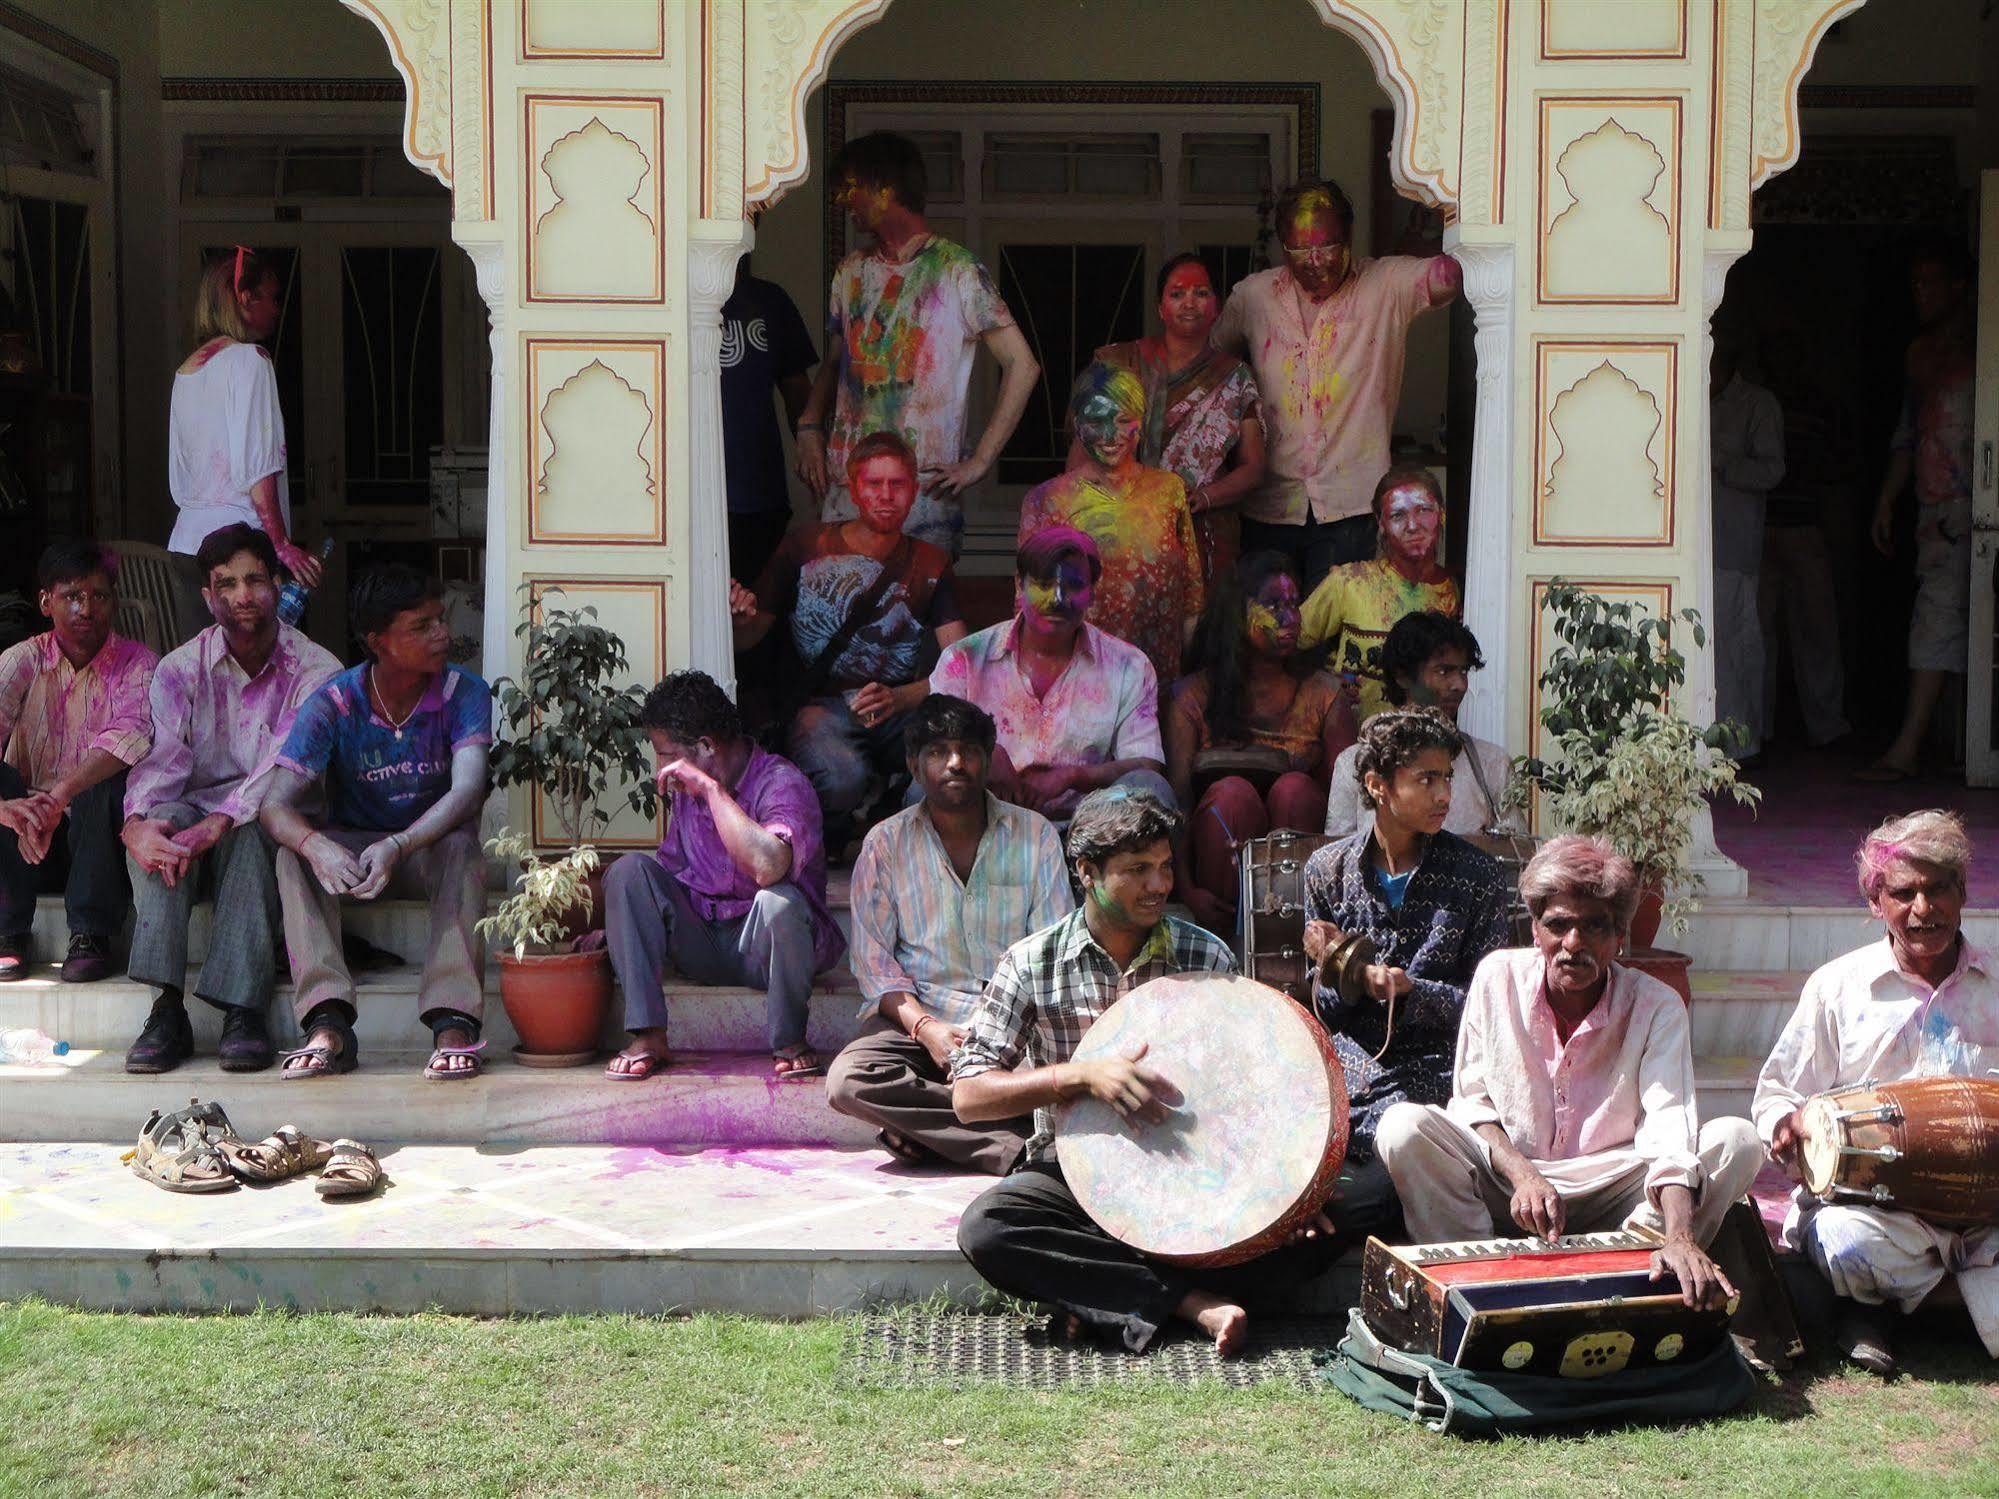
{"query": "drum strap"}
pixel 1388 1033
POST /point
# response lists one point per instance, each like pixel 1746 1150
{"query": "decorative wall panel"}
pixel 593 29
pixel 1609 200
pixel 1655 594
pixel 594 201
pixel 1604 449
pixel 1613 30
pixel 596 444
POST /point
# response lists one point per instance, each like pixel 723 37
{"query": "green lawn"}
pixel 357 1407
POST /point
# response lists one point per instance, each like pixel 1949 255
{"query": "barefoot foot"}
pixel 1224 1321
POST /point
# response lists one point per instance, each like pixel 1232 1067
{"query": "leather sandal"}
pixel 435 1070
pixel 331 1062
pixel 288 1152
pixel 182 1151
pixel 351 1171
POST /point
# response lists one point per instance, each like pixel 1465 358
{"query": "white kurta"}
pixel 225 433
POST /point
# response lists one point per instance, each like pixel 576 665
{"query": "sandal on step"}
pixel 289 1152
pixel 437 1072
pixel 903 1148
pixel 797 1064
pixel 639 1065
pixel 329 1062
pixel 351 1171
pixel 182 1151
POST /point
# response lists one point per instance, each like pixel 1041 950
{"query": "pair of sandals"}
pixel 325 1061
pixel 197 1149
pixel 794 1064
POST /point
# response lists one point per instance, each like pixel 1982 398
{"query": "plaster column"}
pixel 713 248
pixel 1489 710
pixel 489 264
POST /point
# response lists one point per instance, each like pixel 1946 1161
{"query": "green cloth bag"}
pixel 1469 1402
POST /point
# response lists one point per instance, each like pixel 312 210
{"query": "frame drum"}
pixel 1251 1148
pixel 1928 1146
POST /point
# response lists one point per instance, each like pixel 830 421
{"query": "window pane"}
pixel 943 164
pixel 392 369
pixel 235 171
pixel 325 171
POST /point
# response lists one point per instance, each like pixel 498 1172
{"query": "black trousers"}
pixel 1315 547
pixel 1030 1238
pixel 86 861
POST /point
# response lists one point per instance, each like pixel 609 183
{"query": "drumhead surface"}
pixel 1819 1159
pixel 1261 1124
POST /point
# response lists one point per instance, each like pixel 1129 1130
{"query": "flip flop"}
pixel 805 1065
pixel 288 1152
pixel 351 1171
pixel 905 1150
pixel 440 1074
pixel 650 1064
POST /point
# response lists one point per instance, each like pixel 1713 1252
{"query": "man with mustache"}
pixel 222 705
pixel 1076 709
pixel 1924 1003
pixel 1572 1103
pixel 941 891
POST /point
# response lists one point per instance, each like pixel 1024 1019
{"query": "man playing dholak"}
pixel 1572 1104
pixel 1028 1235
pixel 1925 1003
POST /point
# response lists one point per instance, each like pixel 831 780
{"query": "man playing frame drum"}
pixel 1572 1103
pixel 1028 1235
pixel 1924 1003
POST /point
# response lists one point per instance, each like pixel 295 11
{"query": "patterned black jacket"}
pixel 1453 913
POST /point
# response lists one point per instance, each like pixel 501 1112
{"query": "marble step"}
pixel 706 1098
pixel 1726 1085
pixel 108 1014
pixel 1741 937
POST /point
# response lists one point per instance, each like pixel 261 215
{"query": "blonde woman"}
pixel 226 434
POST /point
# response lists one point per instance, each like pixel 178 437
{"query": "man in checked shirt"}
pixel 1028 1235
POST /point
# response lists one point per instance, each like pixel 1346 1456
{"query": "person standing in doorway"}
pixel 1746 451
pixel 765 347
pixel 226 433
pixel 1933 446
pixel 1326 335
pixel 906 315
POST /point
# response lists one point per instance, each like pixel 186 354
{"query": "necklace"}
pixel 383 704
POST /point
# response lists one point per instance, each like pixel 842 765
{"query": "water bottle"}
pixel 27 1048
pixel 292 597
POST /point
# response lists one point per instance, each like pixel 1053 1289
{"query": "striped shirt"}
pixel 53 715
pixel 1050 987
pixel 918 929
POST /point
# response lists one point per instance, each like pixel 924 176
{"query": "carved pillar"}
pixel 489 265
pixel 713 249
pixel 1489 709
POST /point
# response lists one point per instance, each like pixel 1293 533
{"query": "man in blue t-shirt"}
pixel 399 745
pixel 765 344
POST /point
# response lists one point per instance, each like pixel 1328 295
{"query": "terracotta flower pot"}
pixel 576 921
pixel 1671 968
pixel 557 1001
pixel 1645 920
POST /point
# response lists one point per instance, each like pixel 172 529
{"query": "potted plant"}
pixel 574 736
pixel 1623 762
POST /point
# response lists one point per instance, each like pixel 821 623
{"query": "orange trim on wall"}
pixel 531 164
pixel 1675 167
pixel 1669 414
pixel 533 350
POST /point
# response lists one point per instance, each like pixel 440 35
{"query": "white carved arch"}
pixel 1787 40
pixel 419 40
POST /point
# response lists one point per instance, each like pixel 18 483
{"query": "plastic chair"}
pixel 149 580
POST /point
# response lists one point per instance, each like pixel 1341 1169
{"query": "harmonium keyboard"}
pixel 1579 1307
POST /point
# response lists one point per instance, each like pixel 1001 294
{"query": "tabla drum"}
pixel 1272 907
pixel 1251 1148
pixel 1925 1145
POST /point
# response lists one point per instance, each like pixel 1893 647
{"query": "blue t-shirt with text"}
pixel 380 779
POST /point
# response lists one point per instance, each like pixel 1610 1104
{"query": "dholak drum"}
pixel 1250 1150
pixel 1272 903
pixel 1926 1145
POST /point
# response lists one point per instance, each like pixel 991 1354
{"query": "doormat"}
pixel 955 1348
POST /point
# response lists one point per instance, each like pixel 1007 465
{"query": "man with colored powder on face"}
pixel 907 313
pixel 1076 709
pixel 1924 1002
pixel 222 705
pixel 74 716
pixel 941 891
pixel 1150 591
pixel 1326 334
pixel 1028 1235
pixel 1356 606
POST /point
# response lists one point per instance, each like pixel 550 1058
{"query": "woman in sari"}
pixel 1150 592
pixel 1201 416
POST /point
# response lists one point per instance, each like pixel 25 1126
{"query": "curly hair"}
pixel 1118 820
pixel 690 705
pixel 1220 644
pixel 1391 740
pixel 1934 837
pixel 1575 865
pixel 940 716
pixel 1413 640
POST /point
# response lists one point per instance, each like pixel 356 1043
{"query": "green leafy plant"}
pixel 574 735
pixel 1624 763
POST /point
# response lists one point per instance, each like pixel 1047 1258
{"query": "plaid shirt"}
pixel 53 715
pixel 1051 986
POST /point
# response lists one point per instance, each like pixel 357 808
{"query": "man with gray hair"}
pixel 1572 1103
pixel 1923 1003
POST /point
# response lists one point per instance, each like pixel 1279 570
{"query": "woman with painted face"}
pixel 1151 590
pixel 1353 610
pixel 1202 417
pixel 226 433
pixel 1253 731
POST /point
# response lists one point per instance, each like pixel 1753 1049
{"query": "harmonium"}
pixel 1578 1307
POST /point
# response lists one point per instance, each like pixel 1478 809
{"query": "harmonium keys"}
pixel 1578 1307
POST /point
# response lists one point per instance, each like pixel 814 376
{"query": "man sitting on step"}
pixel 74 718
pixel 941 891
pixel 736 893
pixel 1572 1105
pixel 222 706
pixel 400 745
pixel 1922 1003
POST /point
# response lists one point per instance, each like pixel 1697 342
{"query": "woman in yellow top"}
pixel 1254 731
pixel 1359 602
pixel 1151 588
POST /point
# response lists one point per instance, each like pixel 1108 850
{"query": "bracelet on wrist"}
pixel 916 1030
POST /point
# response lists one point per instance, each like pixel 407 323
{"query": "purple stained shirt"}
pixel 780 800
pixel 379 778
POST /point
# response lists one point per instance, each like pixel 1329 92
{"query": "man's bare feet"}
pixel 1224 1321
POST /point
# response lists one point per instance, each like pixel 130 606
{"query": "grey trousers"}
pixel 243 936
pixel 884 1078
pixel 451 874
pixel 648 919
